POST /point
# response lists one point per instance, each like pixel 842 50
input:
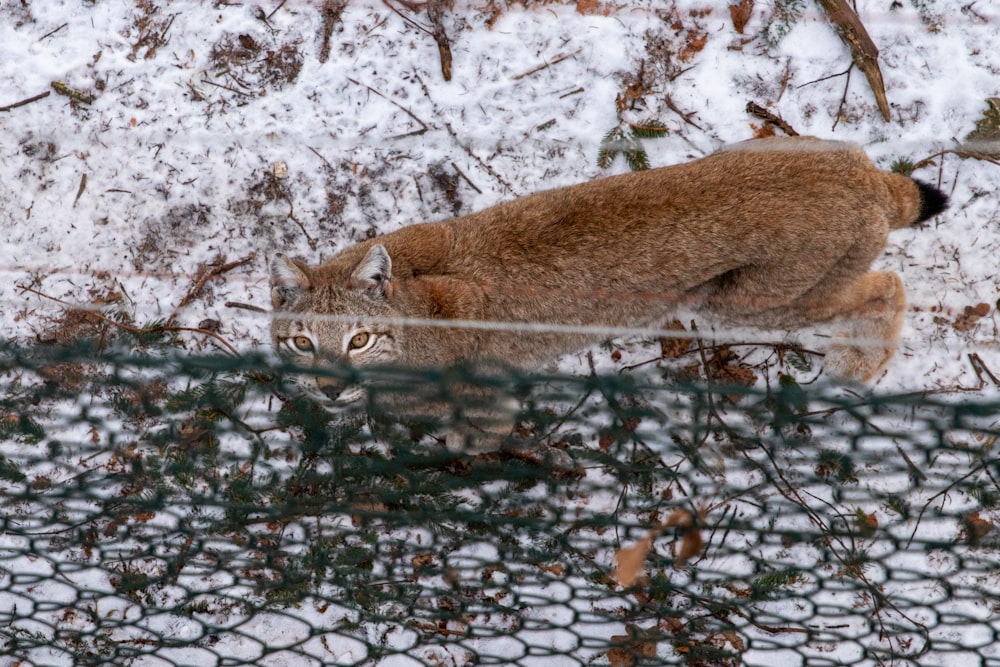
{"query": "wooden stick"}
pixel 757 110
pixel 203 279
pixel 72 93
pixel 863 49
pixel 27 101
pixel 558 59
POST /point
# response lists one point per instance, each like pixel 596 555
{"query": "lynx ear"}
pixel 288 279
pixel 374 272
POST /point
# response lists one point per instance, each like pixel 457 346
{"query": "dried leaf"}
pixel 740 13
pixel 976 527
pixel 866 523
pixel 423 560
pixel 696 42
pixel 674 348
pixel 967 320
pixel 629 560
pixel 692 542
pixel 557 569
pixel 637 643
pixel 592 7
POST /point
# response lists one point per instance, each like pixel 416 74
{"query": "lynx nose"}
pixel 331 391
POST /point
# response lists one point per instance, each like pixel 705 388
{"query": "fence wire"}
pixel 168 509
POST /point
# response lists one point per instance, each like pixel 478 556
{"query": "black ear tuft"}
pixel 932 201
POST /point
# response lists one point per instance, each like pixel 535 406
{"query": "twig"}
pixel 275 11
pixel 960 152
pixel 436 14
pixel 423 126
pixel 487 168
pixel 317 154
pixel 131 327
pixel 713 348
pixel 15 105
pixel 229 88
pixel 79 191
pixel 757 110
pixel 466 178
pixel 826 78
pixel 245 306
pixel 863 49
pixel 72 93
pixel 291 216
pixel 52 32
pixel 558 59
pixel 843 99
pixel 979 367
pixel 330 12
pixel 784 79
pixel 203 279
pixel 686 117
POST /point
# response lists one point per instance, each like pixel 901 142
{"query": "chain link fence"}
pixel 169 509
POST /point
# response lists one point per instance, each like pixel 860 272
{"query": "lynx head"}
pixel 334 323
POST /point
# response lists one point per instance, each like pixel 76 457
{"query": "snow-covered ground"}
pixel 214 129
pixel 190 135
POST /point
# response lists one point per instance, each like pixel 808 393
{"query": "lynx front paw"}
pixel 855 364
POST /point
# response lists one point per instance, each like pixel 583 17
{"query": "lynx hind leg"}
pixel 873 310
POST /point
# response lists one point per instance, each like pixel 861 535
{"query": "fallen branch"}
pixel 72 93
pixel 863 49
pixel 423 126
pixel 79 191
pixel 550 63
pixel 436 16
pixel 245 306
pixel 203 279
pixel 330 12
pixel 166 328
pixel 27 101
pixel 52 32
pixel 758 111
pixel 960 152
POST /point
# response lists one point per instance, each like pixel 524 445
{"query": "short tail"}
pixel 932 201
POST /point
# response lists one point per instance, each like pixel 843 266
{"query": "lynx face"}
pixel 333 327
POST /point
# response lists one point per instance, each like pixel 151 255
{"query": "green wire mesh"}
pixel 161 509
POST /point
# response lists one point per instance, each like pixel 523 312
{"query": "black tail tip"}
pixel 932 201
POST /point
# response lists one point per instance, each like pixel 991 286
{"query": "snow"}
pixel 173 163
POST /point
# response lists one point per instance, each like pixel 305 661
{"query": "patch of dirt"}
pixel 251 66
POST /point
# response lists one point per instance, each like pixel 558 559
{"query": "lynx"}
pixel 774 233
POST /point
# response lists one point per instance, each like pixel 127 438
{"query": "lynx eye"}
pixel 302 344
pixel 359 340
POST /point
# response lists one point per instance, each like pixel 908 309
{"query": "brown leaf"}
pixel 691 545
pixel 672 347
pixel 423 560
pixel 740 14
pixel 679 519
pixel 967 320
pixel 629 560
pixel 867 523
pixel 696 42
pixel 976 527
pixel 637 643
pixel 691 540
pixel 557 569
pixel 594 7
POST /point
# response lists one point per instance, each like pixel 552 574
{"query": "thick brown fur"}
pixel 778 233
